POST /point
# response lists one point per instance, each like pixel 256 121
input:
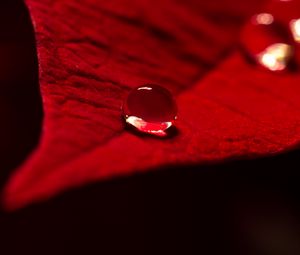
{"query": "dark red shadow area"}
pixel 240 208
pixel 20 102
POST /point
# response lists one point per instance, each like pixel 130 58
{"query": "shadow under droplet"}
pixel 20 101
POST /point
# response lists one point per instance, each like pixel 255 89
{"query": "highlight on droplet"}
pixel 276 57
pixel 263 19
pixel 295 28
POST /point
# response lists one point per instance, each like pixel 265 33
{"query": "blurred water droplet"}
pixel 267 42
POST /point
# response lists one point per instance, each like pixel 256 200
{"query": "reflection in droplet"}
pixel 267 42
pixel 150 109
pixel 295 28
pixel 264 19
pixel 276 57
pixel 149 127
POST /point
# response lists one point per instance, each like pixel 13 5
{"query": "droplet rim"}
pixel 158 128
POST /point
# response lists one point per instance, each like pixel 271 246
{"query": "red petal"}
pixel 92 53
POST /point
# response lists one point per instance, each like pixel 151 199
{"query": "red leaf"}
pixel 92 53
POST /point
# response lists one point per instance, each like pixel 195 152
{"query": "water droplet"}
pixel 150 109
pixel 267 42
